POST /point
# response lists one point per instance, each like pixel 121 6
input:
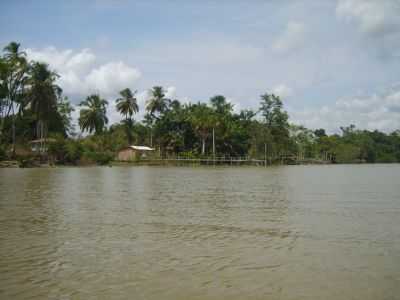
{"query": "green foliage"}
pixel 42 96
pixel 101 158
pixel 65 110
pixel 32 106
pixel 157 104
pixel 3 153
pixel 73 151
pixel 93 115
pixel 127 106
pixel 347 153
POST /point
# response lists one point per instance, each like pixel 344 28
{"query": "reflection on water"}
pixel 315 232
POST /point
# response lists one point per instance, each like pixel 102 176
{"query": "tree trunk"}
pixel 203 146
pixel 3 120
pixel 128 126
pixel 213 132
pixel 13 131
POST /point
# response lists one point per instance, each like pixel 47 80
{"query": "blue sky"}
pixel 333 62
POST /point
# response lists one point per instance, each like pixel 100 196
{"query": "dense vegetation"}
pixel 32 106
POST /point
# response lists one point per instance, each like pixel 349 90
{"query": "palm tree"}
pixel 17 73
pixel 127 106
pixel 3 88
pixel 157 104
pixel 14 80
pixel 42 96
pixel 93 117
pixel 220 105
pixel 65 110
pixel 12 51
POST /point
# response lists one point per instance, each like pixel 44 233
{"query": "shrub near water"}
pixel 3 154
pixel 101 158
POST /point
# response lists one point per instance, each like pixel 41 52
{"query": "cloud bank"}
pixel 377 20
pixel 377 111
pixel 82 74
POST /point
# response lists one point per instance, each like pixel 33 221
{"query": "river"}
pixel 291 232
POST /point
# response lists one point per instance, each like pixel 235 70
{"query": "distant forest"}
pixel 32 106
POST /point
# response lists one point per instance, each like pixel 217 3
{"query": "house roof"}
pixel 141 148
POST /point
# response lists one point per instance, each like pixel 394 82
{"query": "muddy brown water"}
pixel 293 232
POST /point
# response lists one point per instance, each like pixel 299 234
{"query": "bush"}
pixel 55 149
pixel 188 154
pixel 73 151
pixel 27 161
pixel 347 153
pixel 3 154
pixel 101 158
pixel 386 158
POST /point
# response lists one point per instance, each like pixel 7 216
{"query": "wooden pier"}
pixel 235 161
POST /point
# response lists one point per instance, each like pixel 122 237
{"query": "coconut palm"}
pixel 14 77
pixel 42 96
pixel 93 115
pixel 157 104
pixel 65 110
pixel 12 51
pixel 127 106
pixel 3 87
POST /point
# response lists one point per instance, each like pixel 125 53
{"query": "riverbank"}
pixel 159 162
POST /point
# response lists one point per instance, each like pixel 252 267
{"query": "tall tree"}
pixel 223 123
pixel 127 106
pixel 272 110
pixel 156 106
pixel 203 120
pixel 276 120
pixel 220 105
pixel 3 88
pixel 93 115
pixel 14 77
pixel 65 110
pixel 43 95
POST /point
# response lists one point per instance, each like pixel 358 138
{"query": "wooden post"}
pixel 213 145
pixel 265 154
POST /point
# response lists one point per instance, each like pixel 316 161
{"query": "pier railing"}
pixel 236 160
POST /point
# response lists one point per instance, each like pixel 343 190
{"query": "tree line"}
pixel 32 106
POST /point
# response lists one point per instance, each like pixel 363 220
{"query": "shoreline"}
pixel 15 164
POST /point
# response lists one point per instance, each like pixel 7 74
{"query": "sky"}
pixel 333 62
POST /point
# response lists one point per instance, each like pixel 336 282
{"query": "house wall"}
pixel 127 154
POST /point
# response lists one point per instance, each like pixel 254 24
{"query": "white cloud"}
pixel 292 38
pixel 372 16
pixel 282 91
pixel 111 78
pixel 377 20
pixel 237 107
pixel 378 111
pixel 81 74
pixel 81 61
pixel 170 92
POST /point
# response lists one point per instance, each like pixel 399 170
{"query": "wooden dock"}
pixel 223 160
